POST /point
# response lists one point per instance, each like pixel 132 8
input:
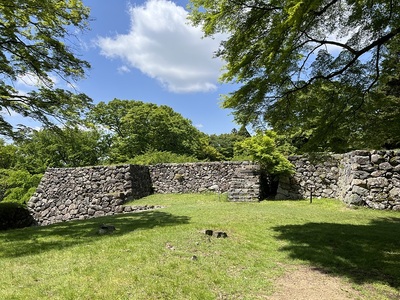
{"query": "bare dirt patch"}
pixel 306 283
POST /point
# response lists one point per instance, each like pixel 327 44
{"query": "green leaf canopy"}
pixel 307 68
pixel 36 41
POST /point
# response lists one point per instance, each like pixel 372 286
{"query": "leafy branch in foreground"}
pixel 280 51
pixel 36 43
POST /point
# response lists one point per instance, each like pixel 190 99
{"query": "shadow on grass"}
pixel 364 253
pixel 34 240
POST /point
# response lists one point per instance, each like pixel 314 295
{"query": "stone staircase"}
pixel 245 184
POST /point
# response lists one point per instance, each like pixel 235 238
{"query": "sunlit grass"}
pixel 164 254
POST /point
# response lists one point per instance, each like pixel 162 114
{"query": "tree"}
pixel 8 155
pixel 136 127
pixel 207 151
pixel 57 148
pixel 386 110
pixel 17 185
pixel 263 149
pixel 314 124
pixel 284 52
pixel 225 143
pixel 349 120
pixel 34 39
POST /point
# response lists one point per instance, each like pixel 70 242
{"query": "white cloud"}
pixel 30 80
pixel 199 126
pixel 163 45
pixel 123 69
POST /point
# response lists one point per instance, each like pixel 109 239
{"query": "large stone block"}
pixel 379 182
pixel 362 160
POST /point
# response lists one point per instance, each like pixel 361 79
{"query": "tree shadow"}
pixel 35 240
pixel 363 253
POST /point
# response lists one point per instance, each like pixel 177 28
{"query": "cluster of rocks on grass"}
pixel 217 234
pixel 106 229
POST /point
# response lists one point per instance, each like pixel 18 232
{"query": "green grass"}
pixel 149 256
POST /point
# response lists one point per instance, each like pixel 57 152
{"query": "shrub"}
pixel 17 185
pixel 14 215
pixel 263 149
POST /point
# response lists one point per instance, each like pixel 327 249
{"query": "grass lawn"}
pixel 164 254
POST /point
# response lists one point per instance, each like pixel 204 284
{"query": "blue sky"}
pixel 145 50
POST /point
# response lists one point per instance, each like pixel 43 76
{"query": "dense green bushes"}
pixel 17 185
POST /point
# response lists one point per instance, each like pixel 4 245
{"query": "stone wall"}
pixel 318 174
pixel 246 185
pixel 82 193
pixel 365 178
pixel 371 178
pixel 202 177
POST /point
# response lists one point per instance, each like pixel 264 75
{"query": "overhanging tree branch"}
pixel 261 6
pixel 271 53
pixel 356 55
pixel 33 42
pixel 325 8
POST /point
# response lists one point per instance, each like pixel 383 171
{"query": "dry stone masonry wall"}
pixel 82 193
pixel 372 178
pixel 203 177
pixel 318 175
pixel 368 178
pixel 245 184
pixel 363 178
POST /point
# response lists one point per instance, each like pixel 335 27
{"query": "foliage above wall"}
pixel 263 149
pixel 324 73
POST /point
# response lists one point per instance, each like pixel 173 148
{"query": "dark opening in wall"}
pixel 268 185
